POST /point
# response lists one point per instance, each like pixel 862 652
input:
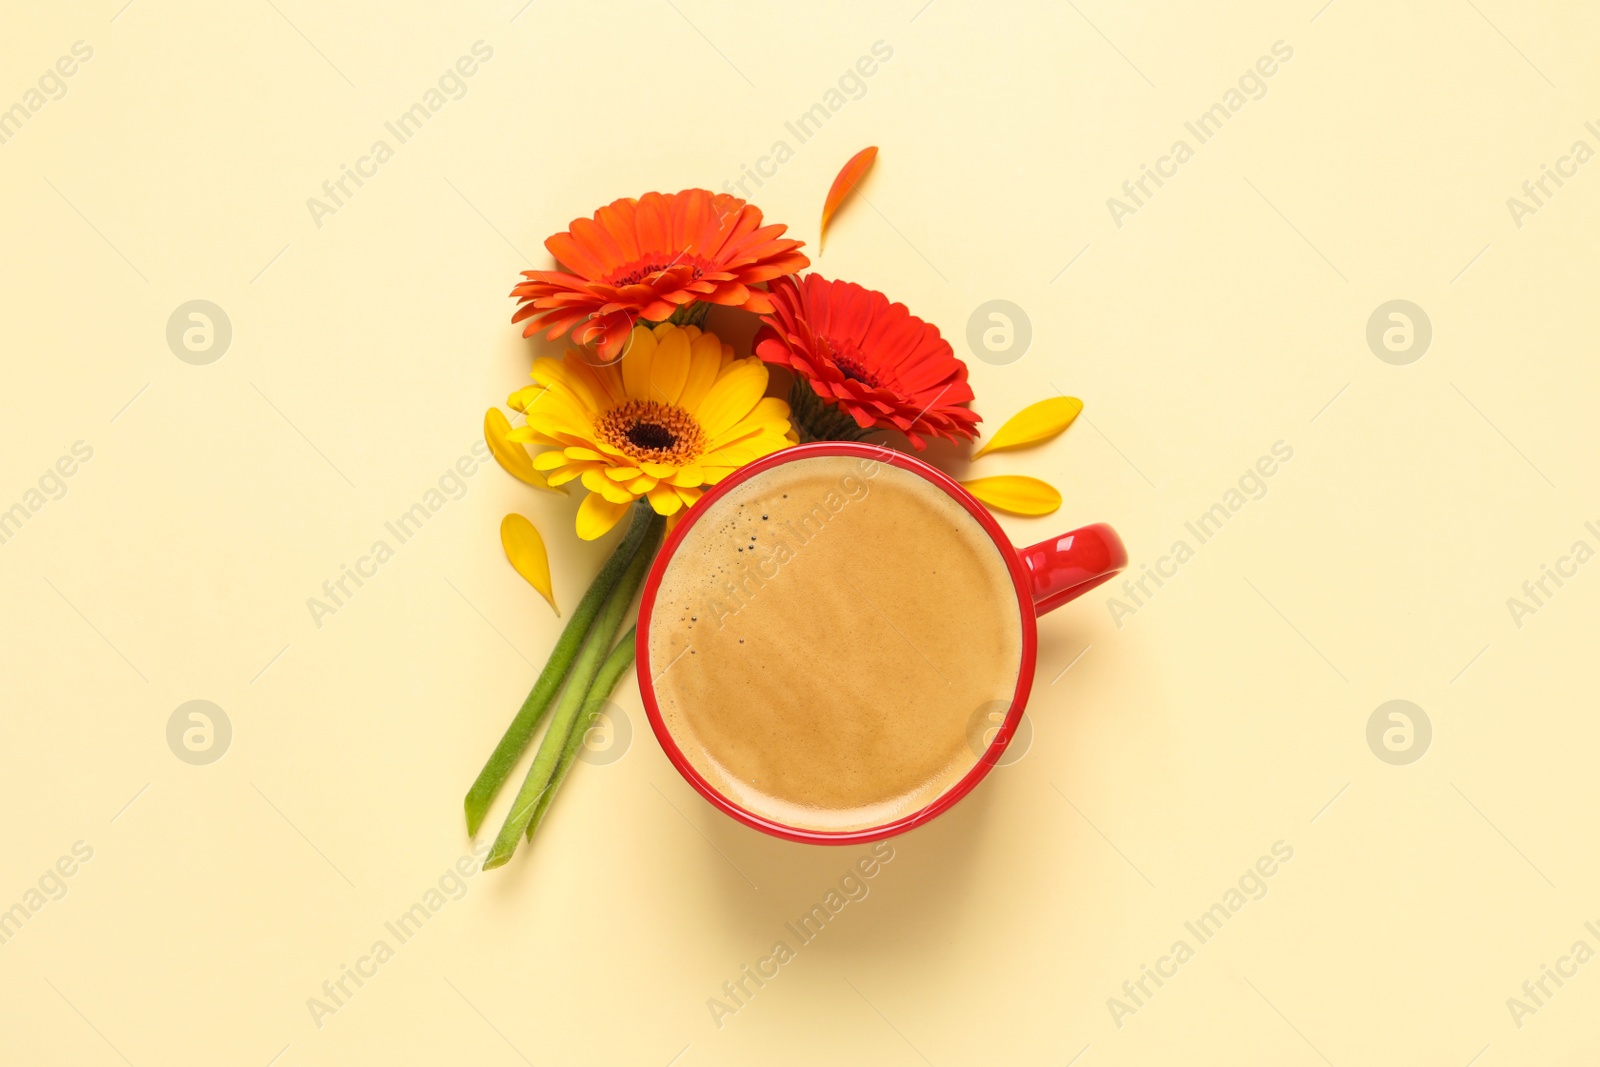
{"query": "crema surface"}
pixel 829 641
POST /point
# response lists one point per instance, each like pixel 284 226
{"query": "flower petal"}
pixel 510 454
pixel 732 397
pixel 604 382
pixel 1016 493
pixel 550 460
pixel 705 360
pixel 565 475
pixel 670 369
pixel 636 364
pixel 557 414
pixel 525 549
pixel 526 397
pixel 770 413
pixel 596 515
pixel 596 482
pixel 1034 423
pixel 553 372
pixel 664 500
pixel 851 173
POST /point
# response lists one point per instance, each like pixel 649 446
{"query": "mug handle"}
pixel 1070 565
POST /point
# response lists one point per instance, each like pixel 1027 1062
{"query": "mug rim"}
pixel 1021 586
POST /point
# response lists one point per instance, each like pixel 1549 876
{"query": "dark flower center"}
pixel 651 432
pixel 649 435
pixel 637 271
pixel 851 364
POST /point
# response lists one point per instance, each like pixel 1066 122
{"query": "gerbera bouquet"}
pixel 649 407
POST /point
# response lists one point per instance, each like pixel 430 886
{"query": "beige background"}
pixel 1227 714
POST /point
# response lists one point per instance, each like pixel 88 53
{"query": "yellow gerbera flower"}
pixel 675 413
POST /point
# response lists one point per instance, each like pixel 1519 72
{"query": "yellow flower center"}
pixel 648 431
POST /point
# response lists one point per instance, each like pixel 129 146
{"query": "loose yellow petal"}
pixel 1016 493
pixel 1034 423
pixel 596 516
pixel 510 454
pixel 525 549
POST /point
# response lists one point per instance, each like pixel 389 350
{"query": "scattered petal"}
pixel 525 549
pixel 1034 423
pixel 851 173
pixel 1016 493
pixel 511 455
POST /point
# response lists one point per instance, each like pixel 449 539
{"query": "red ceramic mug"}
pixel 1043 576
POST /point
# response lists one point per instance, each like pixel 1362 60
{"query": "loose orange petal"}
pixel 511 454
pixel 851 173
pixel 525 549
pixel 1034 423
pixel 1016 493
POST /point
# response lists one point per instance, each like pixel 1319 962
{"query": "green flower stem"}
pixel 818 420
pixel 517 735
pixel 605 681
pixel 584 669
pixel 690 314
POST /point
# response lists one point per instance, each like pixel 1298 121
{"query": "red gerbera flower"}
pixel 875 360
pixel 651 257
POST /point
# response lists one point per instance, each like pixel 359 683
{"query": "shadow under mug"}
pixel 1044 576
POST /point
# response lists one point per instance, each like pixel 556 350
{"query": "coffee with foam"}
pixel 824 638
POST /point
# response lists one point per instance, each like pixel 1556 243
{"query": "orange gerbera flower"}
pixel 650 258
